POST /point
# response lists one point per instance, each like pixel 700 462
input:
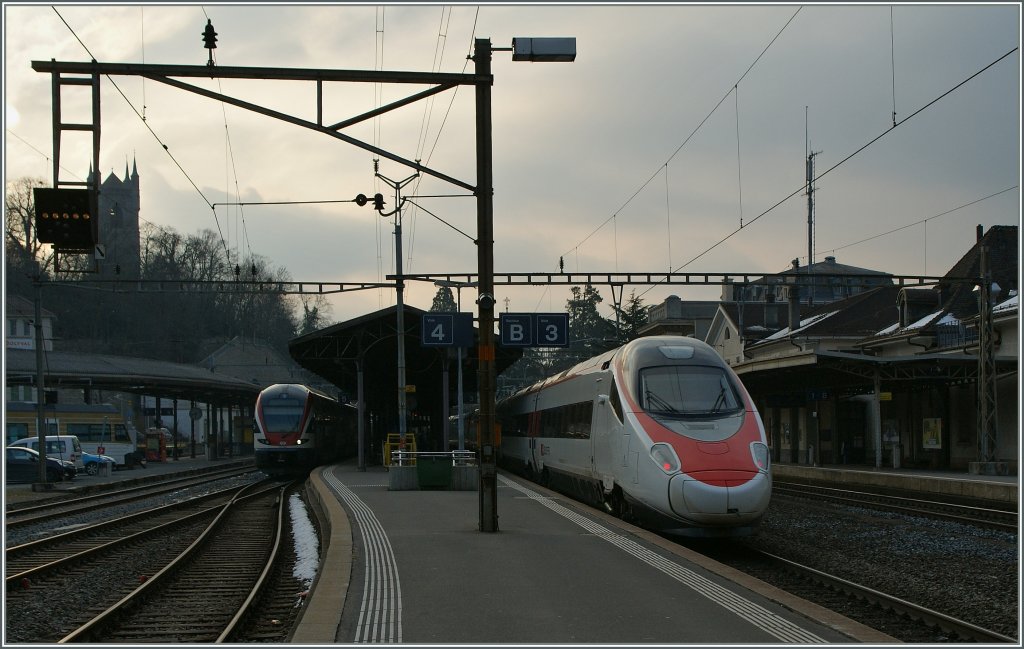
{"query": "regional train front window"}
pixel 687 391
pixel 282 416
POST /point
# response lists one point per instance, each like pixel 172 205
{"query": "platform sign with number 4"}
pixel 445 329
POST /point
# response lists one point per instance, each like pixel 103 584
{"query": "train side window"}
pixel 586 415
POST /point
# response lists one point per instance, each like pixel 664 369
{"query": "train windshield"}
pixel 688 391
pixel 282 415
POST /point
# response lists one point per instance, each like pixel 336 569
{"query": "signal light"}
pixel 64 218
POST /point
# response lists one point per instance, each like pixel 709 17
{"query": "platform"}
pixel 998 489
pixel 84 484
pixel 412 567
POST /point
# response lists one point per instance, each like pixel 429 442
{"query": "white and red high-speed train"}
pixel 299 428
pixel 660 430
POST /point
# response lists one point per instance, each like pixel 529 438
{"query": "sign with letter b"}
pixel 534 329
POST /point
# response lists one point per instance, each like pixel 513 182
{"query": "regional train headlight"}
pixel 665 457
pixel 761 457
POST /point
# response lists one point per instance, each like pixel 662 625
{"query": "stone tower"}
pixel 119 206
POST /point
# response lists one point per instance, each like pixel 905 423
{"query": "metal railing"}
pixel 457 458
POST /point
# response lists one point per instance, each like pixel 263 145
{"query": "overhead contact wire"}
pixel 695 130
pixel 150 129
pixel 847 158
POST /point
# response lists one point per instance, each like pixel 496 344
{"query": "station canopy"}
pixel 334 353
pixel 77 370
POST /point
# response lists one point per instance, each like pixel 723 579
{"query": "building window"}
pixel 16 432
pixel 21 394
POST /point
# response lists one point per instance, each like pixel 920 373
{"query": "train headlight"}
pixel 665 457
pixel 761 457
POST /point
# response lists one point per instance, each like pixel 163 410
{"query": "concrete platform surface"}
pixel 412 567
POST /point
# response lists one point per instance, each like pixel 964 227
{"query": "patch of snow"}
pixel 888 330
pixel 782 333
pixel 307 544
pixel 1008 305
pixel 923 321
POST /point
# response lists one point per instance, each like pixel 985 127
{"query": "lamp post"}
pixel 378 204
pixel 523 49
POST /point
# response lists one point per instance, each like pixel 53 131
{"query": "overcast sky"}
pixel 674 125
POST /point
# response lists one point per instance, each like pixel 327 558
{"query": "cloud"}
pixel 674 122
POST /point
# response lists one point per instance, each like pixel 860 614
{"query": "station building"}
pixel 888 376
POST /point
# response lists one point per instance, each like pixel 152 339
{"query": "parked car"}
pixel 93 461
pixel 23 466
pixel 64 447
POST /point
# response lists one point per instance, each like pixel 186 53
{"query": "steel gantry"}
pixel 531 49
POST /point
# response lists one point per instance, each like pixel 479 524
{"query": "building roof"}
pixel 17 305
pixel 957 299
pixel 832 267
pixel 128 374
pixel 257 363
pixel 857 316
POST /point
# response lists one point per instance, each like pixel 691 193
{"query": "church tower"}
pixel 119 206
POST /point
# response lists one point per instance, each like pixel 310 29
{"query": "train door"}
pixel 532 432
pixel 602 430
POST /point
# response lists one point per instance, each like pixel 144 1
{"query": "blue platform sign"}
pixel 552 329
pixel 447 329
pixel 516 329
pixel 534 329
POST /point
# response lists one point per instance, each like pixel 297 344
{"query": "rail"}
pixel 408 458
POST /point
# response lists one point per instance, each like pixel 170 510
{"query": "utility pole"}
pixel 40 384
pixel 485 301
pixel 988 424
pixel 810 206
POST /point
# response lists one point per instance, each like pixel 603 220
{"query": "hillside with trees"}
pixel 147 319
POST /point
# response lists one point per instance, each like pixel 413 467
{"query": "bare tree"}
pixel 20 244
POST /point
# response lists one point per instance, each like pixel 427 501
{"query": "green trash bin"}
pixel 434 472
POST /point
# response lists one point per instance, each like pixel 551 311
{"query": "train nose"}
pixel 733 495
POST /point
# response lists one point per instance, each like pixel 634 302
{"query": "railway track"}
pixel 980 514
pixel 880 515
pixel 899 618
pixel 208 591
pixel 18 516
pixel 36 560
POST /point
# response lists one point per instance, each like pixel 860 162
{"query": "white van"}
pixel 64 447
